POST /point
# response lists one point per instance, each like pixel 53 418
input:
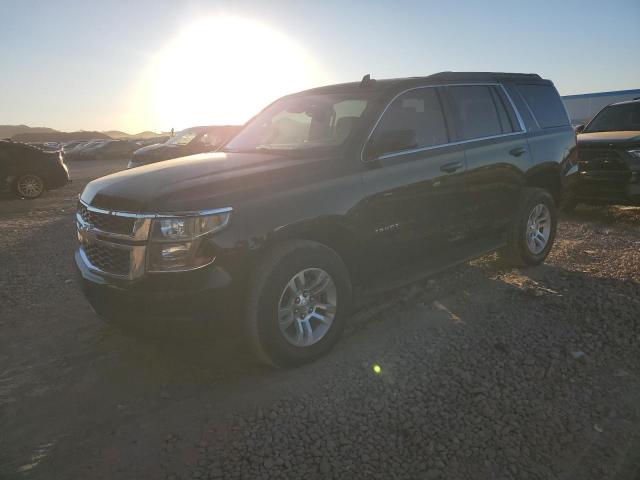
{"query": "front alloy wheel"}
pixel 29 186
pixel 307 307
pixel 299 297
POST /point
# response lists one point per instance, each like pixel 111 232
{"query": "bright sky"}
pixel 156 64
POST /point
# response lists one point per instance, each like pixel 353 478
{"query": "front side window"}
pixel 303 122
pixel 479 115
pixel 418 115
pixel 616 118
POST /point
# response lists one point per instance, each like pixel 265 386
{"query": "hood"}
pixel 193 183
pixel 159 151
pixel 622 139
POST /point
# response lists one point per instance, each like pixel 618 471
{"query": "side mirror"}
pixel 580 128
pixel 391 141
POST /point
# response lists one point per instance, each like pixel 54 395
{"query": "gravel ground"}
pixel 480 372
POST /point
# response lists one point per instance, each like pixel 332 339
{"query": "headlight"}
pixel 179 243
pixel 634 153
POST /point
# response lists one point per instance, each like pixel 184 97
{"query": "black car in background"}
pixel 103 150
pixel 187 142
pixel 340 189
pixel 609 158
pixel 28 171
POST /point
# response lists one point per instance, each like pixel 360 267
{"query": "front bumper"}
pixel 209 290
pixel 58 178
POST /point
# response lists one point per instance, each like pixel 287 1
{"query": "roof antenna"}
pixel 366 80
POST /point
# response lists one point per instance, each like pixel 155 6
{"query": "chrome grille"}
pixel 109 259
pixel 112 243
pixel 601 160
pixel 106 222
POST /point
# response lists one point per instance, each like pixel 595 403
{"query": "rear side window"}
pixel 419 111
pixel 545 104
pixel 480 111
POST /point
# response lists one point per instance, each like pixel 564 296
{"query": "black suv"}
pixel 609 158
pixel 340 189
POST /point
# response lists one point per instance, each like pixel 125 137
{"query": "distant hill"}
pixel 117 134
pixel 55 136
pixel 24 133
pixel 8 131
pixel 124 135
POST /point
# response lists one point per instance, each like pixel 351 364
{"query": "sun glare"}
pixel 223 70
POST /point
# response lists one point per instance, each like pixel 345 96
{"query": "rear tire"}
pixel 298 302
pixel 533 230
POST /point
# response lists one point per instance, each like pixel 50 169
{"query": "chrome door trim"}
pixel 433 147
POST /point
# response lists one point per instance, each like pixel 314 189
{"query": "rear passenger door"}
pixel 413 205
pixel 497 155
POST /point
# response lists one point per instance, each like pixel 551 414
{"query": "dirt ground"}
pixel 480 372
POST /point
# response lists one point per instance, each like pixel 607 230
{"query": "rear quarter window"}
pixel 545 104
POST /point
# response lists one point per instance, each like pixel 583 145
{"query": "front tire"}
pixel 299 298
pixel 29 186
pixel 533 230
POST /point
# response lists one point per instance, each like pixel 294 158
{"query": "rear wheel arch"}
pixel 548 177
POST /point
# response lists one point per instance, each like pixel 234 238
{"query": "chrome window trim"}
pixel 513 105
pixel 523 128
pixel 433 147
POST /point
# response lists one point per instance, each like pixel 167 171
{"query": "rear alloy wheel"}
pixel 299 297
pixel 538 228
pixel 29 186
pixel 533 230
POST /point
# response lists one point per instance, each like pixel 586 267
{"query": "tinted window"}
pixel 613 118
pixel 419 111
pixel 477 112
pixel 545 104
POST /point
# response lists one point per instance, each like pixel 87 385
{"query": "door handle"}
pixel 451 167
pixel 516 152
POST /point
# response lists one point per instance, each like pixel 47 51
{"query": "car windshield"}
pixel 613 118
pixel 302 122
pixel 182 138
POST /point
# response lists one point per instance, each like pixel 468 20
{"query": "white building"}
pixel 582 108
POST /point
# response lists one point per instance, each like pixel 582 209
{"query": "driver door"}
pixel 415 201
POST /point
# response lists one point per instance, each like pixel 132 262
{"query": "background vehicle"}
pixel 46 146
pixel 354 186
pixel 104 150
pixel 187 142
pixel 609 158
pixel 28 171
pixel 67 147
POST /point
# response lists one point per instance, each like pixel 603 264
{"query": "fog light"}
pixel 172 252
